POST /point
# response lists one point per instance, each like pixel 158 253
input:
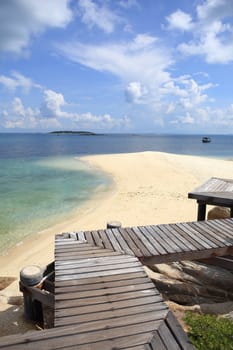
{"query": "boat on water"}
pixel 206 139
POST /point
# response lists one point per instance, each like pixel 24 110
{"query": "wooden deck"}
pixel 103 298
pixel 166 243
pixel 103 301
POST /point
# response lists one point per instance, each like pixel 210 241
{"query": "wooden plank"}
pixel 113 240
pixel 89 238
pixel 211 235
pixel 101 261
pixel 148 231
pixel 103 299
pixel 171 240
pixel 156 343
pixel 167 337
pixel 105 292
pixel 189 237
pixel 205 242
pixel 106 242
pixel 85 309
pixel 105 315
pixel 106 279
pixel 159 236
pixel 204 227
pixel 140 233
pixel 180 236
pixel 112 266
pixel 192 255
pixel 86 255
pixel 178 333
pixel 138 242
pixel 222 228
pixel 152 243
pixel 122 242
pixel 80 236
pixel 131 244
pixel 192 234
pixel 58 338
pixel 102 273
pixel 97 239
pixel 101 285
pixel 121 343
pixel 77 247
pixel 175 238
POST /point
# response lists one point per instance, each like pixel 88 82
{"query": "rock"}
pixel 217 308
pixel 218 213
pixel 209 274
pixel 229 316
pixel 174 270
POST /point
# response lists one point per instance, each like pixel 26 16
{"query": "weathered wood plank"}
pixel 106 292
pixel 161 314
pixel 114 305
pixel 167 338
pixel 122 242
pixel 177 331
pixel 101 285
pixel 102 299
pixel 99 279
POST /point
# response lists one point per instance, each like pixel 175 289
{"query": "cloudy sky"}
pixel 116 66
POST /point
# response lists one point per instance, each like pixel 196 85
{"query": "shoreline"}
pixel 147 188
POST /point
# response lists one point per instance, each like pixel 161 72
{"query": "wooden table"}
pixel 215 191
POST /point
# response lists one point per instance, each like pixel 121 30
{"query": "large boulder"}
pixel 218 213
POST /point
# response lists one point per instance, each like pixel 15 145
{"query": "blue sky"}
pixel 127 66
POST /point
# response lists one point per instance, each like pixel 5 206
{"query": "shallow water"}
pixel 37 193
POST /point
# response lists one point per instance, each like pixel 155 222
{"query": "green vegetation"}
pixel 207 332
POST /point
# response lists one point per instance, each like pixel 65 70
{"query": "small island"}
pixel 86 133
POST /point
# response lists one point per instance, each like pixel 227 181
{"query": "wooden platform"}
pixel 103 298
pixel 166 243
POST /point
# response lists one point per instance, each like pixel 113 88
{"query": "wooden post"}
pixel 113 224
pixel 31 276
pixel 231 208
pixel 201 211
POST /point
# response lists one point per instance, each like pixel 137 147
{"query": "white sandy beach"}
pixel 149 188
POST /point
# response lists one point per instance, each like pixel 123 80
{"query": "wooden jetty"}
pixel 103 298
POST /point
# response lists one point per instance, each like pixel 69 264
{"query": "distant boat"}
pixel 206 139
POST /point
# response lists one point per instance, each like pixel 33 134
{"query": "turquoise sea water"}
pixel 37 193
pixel 42 180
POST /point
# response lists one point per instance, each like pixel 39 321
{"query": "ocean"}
pixel 42 179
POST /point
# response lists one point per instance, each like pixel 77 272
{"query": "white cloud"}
pixel 17 80
pixel 212 10
pixel 212 31
pixel 21 19
pixel 180 20
pixel 52 115
pixel 134 92
pixel 51 107
pixel 141 59
pixel 128 3
pixel 102 17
